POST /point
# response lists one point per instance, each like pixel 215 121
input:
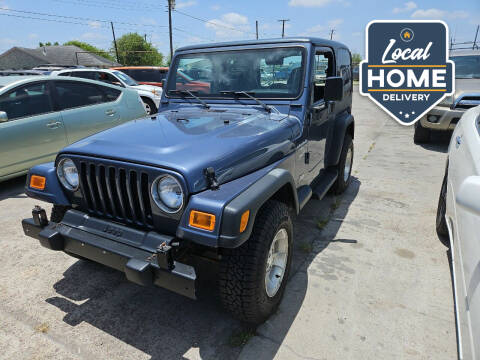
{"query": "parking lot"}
pixel 370 278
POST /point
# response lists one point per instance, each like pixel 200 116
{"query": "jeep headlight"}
pixel 68 174
pixel 167 194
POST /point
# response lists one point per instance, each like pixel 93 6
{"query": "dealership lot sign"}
pixel 407 71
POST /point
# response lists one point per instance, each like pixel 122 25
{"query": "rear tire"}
pixel 149 105
pixel 344 167
pixel 441 222
pixel 247 272
pixel 421 135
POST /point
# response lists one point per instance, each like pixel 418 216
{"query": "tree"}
pixel 87 47
pixel 356 58
pixel 134 50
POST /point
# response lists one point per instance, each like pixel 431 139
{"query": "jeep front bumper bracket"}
pixel 140 266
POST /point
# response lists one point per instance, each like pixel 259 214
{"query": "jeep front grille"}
pixel 115 192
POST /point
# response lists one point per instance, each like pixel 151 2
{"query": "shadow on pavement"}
pixel 165 325
pixel 13 188
pixel 439 141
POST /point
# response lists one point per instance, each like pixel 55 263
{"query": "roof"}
pixel 139 67
pixel 7 80
pixel 287 40
pixel 19 57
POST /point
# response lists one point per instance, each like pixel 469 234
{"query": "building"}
pixel 24 58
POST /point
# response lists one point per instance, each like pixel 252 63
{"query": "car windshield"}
pixel 264 73
pixel 125 78
pixel 467 67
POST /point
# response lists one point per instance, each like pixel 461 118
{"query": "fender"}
pixel 53 192
pixel 252 199
pixel 335 143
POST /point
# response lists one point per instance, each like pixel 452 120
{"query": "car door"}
pixel 464 175
pixel 34 132
pixel 86 108
pixel 320 112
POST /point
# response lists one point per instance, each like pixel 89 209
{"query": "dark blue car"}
pixel 217 173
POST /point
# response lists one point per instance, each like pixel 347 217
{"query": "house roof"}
pixel 19 57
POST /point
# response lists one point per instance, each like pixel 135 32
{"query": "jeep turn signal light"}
pixel 244 221
pixel 202 220
pixel 37 182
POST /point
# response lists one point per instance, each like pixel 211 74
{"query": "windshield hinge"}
pixel 211 178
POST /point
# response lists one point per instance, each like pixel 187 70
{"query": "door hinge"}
pixel 307 157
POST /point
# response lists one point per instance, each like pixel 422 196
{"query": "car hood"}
pixel 144 87
pixel 234 142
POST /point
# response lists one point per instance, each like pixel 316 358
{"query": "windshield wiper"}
pixel 188 92
pixel 238 93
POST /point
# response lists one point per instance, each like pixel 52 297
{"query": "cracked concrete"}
pixel 373 283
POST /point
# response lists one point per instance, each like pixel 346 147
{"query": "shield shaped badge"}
pixel 407 70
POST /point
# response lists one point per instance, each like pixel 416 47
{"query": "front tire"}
pixel 441 222
pixel 248 273
pixel 421 134
pixel 149 105
pixel 58 212
pixel 344 167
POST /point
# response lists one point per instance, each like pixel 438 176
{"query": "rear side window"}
pixel 27 100
pixel 344 60
pixel 72 94
pixel 110 94
pixel 83 74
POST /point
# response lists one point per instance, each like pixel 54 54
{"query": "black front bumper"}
pixel 144 257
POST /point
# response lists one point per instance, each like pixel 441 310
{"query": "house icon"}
pixel 407 35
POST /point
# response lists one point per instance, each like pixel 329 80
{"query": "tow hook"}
pixel 164 256
pixel 39 216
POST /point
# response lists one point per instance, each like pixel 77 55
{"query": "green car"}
pixel 39 115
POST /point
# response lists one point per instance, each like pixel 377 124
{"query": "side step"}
pixel 325 181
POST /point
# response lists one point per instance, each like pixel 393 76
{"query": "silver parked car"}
pixel 458 226
pixel 39 115
pixel 447 113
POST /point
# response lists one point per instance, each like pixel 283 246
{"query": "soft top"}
pixel 280 41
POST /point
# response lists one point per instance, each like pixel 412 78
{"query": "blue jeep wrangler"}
pixel 233 153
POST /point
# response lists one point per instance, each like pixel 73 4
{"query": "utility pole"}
pixel 283 26
pixel 475 41
pixel 256 25
pixel 171 6
pixel 331 33
pixel 114 41
pixel 145 37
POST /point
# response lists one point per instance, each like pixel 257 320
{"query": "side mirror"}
pixel 3 117
pixel 334 88
pixel 468 196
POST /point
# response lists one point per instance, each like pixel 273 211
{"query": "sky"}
pixel 25 23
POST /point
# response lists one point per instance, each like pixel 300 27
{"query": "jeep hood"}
pixel 234 142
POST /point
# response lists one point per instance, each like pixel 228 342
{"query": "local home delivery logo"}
pixel 407 71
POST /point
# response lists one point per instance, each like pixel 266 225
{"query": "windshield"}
pixel 125 78
pixel 264 73
pixel 467 67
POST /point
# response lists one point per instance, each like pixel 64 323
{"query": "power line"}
pixel 214 23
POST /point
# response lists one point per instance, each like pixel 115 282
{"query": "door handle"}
pixel 458 141
pixel 110 112
pixel 54 125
